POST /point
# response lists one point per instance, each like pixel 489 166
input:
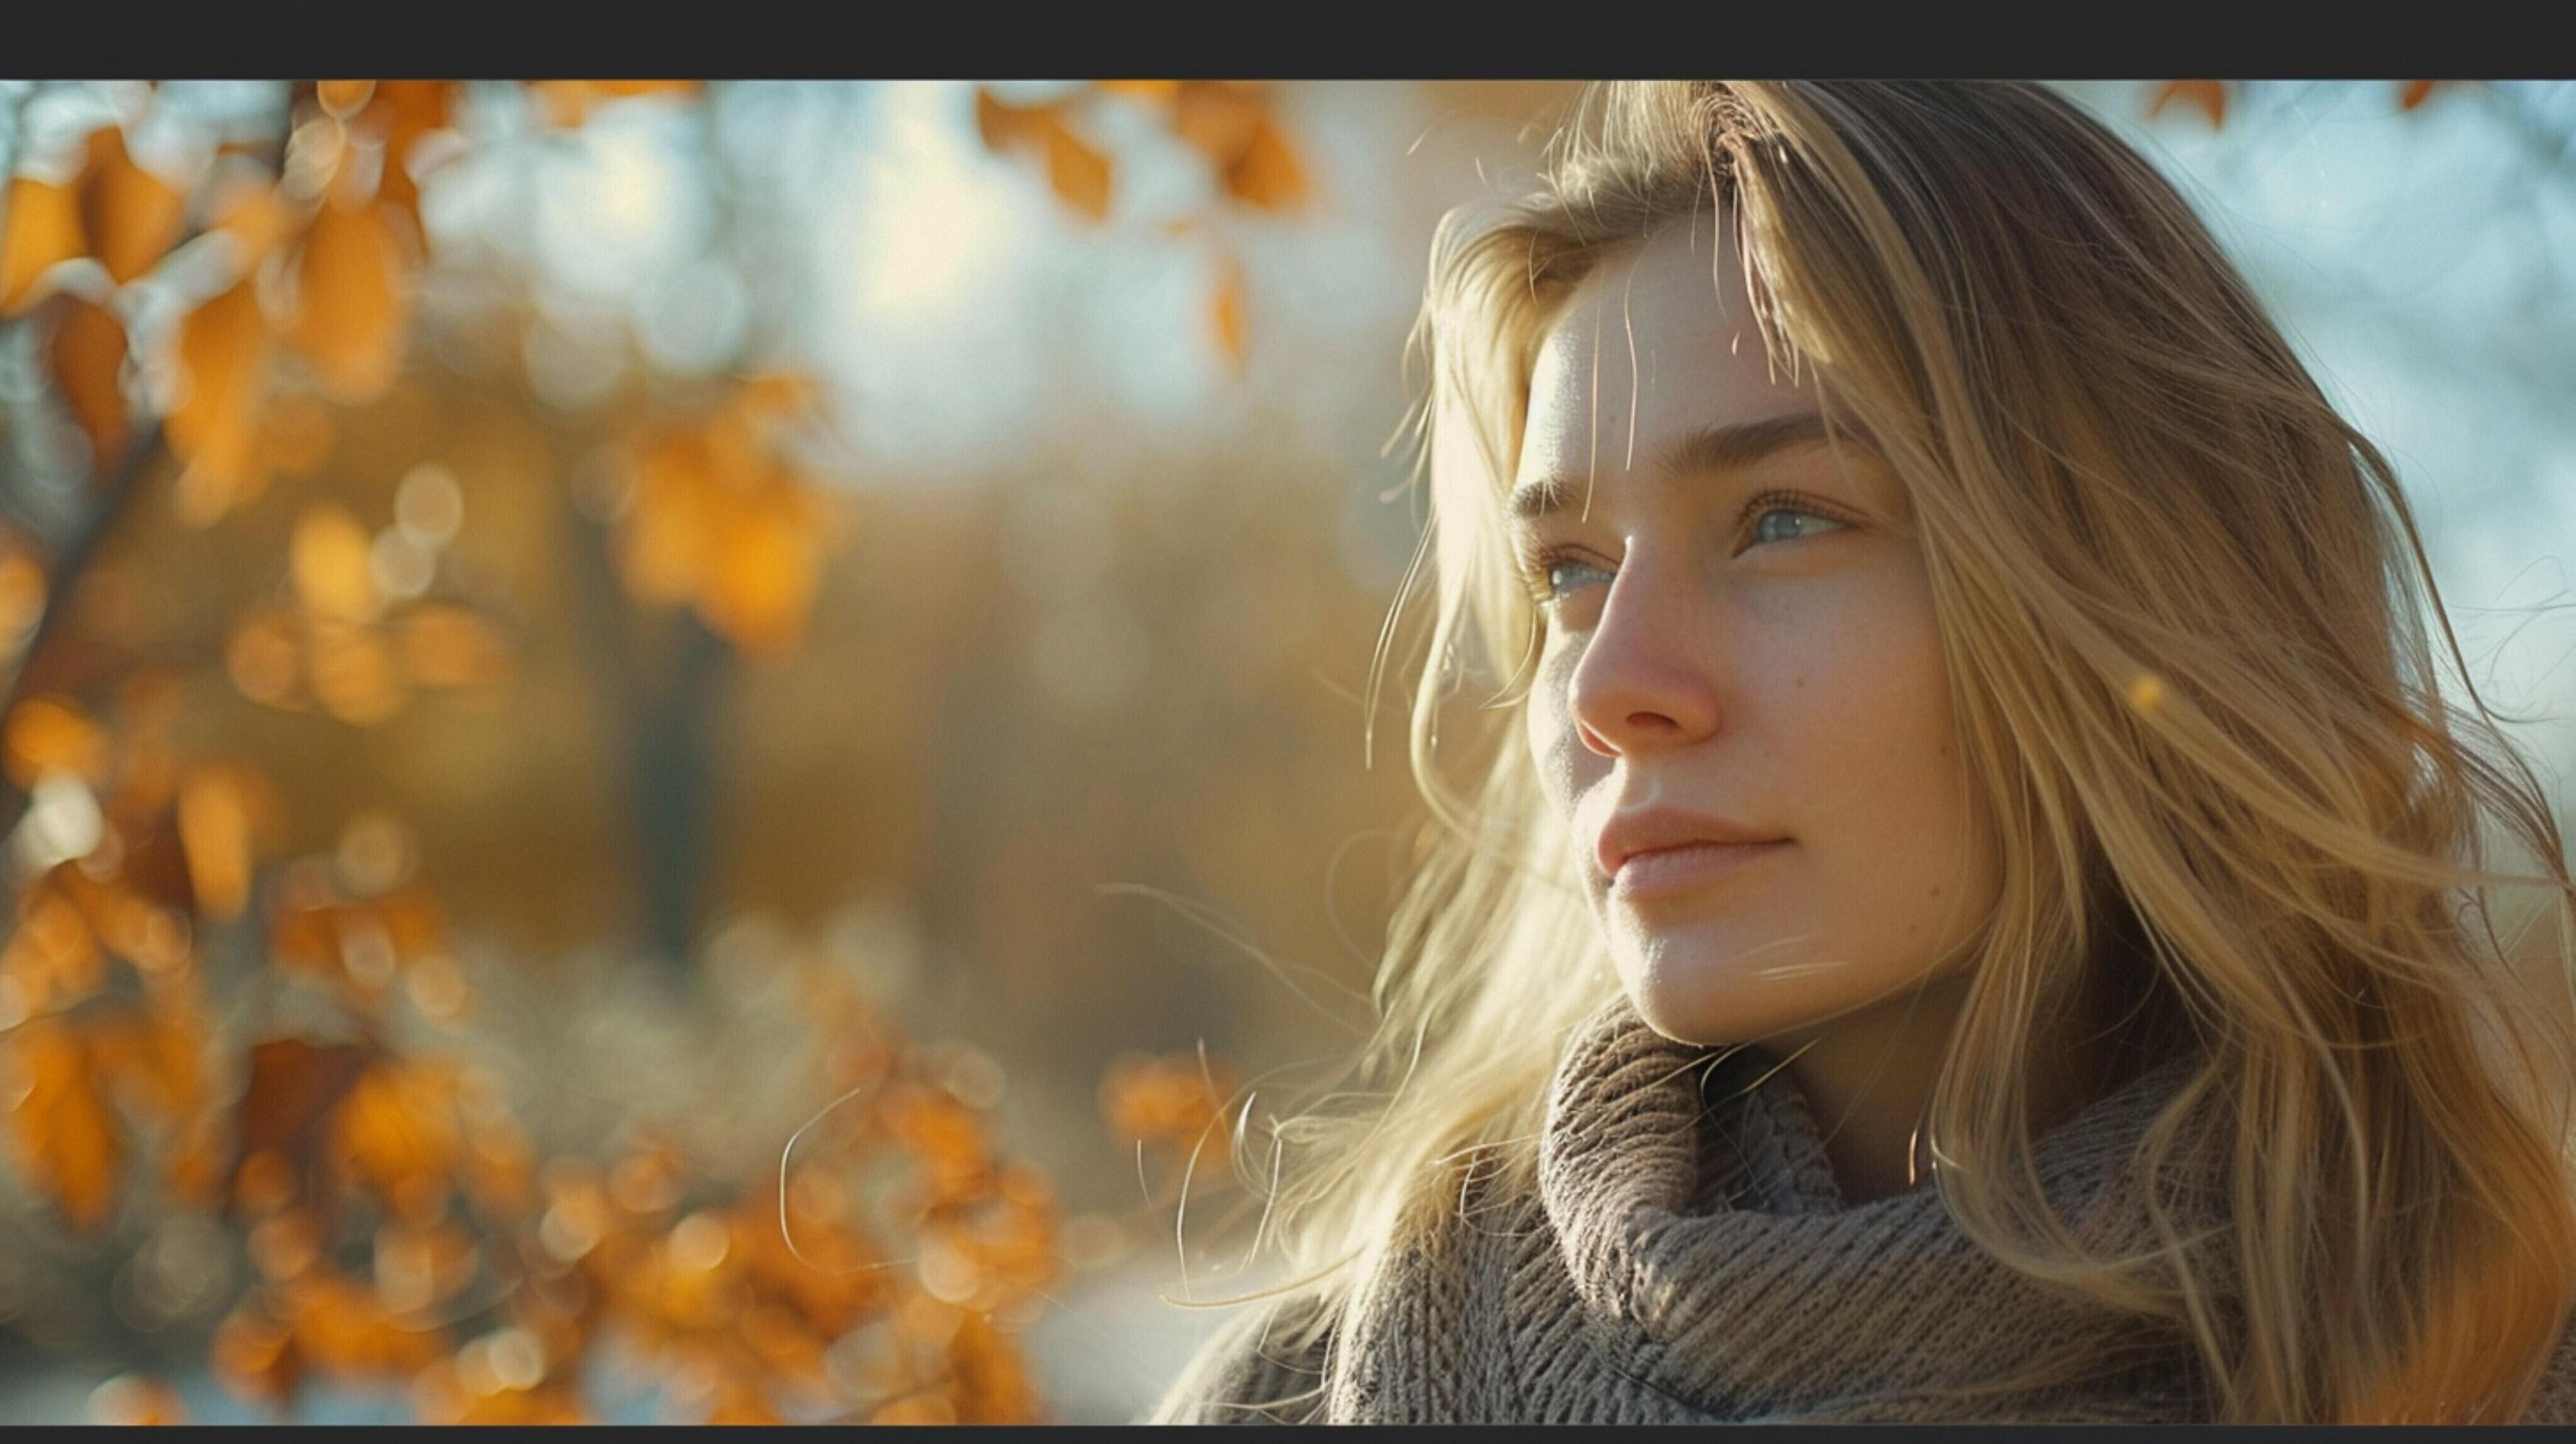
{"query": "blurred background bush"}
pixel 674 749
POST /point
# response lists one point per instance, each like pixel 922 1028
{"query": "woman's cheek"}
pixel 1845 684
pixel 1554 748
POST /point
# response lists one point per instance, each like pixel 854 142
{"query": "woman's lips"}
pixel 1663 871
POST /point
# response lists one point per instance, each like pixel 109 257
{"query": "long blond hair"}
pixel 2191 633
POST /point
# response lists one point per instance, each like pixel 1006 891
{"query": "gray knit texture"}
pixel 1688 1258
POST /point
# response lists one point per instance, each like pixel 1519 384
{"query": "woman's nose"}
pixel 1646 677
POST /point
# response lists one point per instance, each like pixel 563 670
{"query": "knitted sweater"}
pixel 1688 1258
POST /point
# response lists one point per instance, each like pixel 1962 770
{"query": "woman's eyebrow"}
pixel 1727 447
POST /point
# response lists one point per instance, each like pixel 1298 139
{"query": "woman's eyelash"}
pixel 1538 564
pixel 1539 560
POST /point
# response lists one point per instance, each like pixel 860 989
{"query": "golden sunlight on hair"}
pixel 2197 658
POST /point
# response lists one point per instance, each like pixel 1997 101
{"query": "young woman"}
pixel 1975 902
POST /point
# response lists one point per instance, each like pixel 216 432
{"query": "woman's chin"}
pixel 1707 1007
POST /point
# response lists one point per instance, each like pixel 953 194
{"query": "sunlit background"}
pixel 673 748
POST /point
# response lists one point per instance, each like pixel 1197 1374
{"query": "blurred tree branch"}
pixel 63 573
pixel 667 703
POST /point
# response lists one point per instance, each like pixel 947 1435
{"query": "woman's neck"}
pixel 1867 1079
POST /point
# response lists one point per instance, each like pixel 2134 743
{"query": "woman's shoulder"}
pixel 1264 1364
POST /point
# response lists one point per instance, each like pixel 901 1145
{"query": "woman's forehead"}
pixel 1658 339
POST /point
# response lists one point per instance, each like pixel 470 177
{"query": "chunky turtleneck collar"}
pixel 1685 1257
pixel 1699 1223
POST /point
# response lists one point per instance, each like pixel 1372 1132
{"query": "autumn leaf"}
pixel 1225 313
pixel 1152 92
pixel 1267 174
pixel 418 1266
pixel 352 302
pixel 342 98
pixel 132 216
pixel 265 658
pixel 942 1135
pixel 329 560
pixel 662 534
pixel 926 1407
pixel 157 1057
pixel 738 1402
pixel 346 1330
pixel 53 960
pixel 294 1088
pixel 721 520
pixel 66 1141
pixel 992 1385
pixel 472 1389
pixel 22 593
pixel 402 112
pixel 217 814
pixel 157 893
pixel 445 645
pixel 764 570
pixel 1219 118
pixel 1005 127
pixel 52 734
pixel 571 102
pixel 224 352
pixel 87 354
pixel 398 1132
pixel 1077 171
pixel 43 229
pixel 354 671
pixel 1167 1101
pixel 254 1355
pixel 2208 96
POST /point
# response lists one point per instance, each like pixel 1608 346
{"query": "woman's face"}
pixel 1739 641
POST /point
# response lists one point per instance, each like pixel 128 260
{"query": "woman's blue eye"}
pixel 1557 588
pixel 1763 531
pixel 1547 571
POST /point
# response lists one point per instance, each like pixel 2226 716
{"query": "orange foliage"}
pixel 1226 312
pixel 342 98
pixel 352 300
pixel 22 593
pixel 400 1223
pixel 343 645
pixel 1078 171
pixel 570 102
pixel 222 811
pixel 2207 96
pixel 489 1276
pixel 130 215
pixel 51 734
pixel 1231 123
pixel 87 353
pixel 66 1142
pixel 351 236
pixel 224 353
pixel 723 519
pixel 1175 1103
pixel 43 229
pixel 120 212
pixel 397 115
